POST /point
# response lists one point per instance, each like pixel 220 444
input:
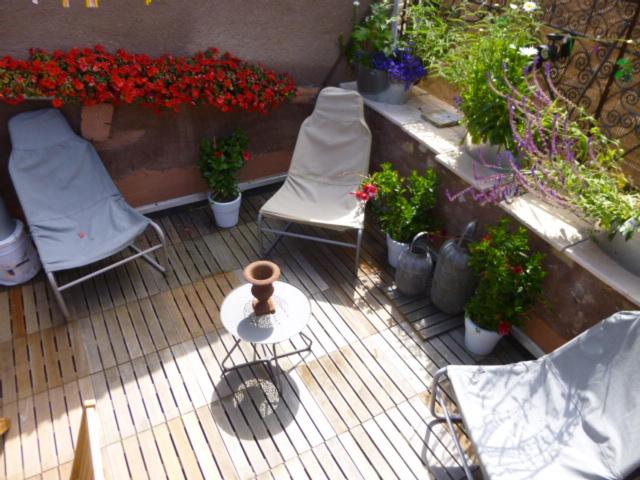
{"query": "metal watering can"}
pixel 414 269
pixel 454 282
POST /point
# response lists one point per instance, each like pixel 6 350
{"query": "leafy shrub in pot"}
pixel 402 205
pixel 220 162
pixel 500 37
pixel 510 282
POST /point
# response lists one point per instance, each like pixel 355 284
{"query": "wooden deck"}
pixel 148 348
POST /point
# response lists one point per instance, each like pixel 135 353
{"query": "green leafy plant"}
pixel 220 161
pixel 433 28
pixel 373 35
pixel 500 41
pixel 403 205
pixel 510 278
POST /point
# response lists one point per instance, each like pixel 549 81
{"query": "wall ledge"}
pixel 564 231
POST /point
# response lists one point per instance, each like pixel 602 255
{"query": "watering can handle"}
pixel 469 229
pixel 416 238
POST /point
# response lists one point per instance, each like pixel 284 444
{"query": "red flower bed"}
pixel 93 75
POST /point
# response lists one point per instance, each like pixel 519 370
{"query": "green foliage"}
pixel 607 199
pixel 220 161
pixel 404 206
pixel 433 28
pixel 373 34
pixel 510 277
pixel 489 49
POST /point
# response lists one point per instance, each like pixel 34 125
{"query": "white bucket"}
pixel 227 213
pixel 478 340
pixel 19 260
pixel 394 249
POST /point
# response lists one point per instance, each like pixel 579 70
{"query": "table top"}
pixel 293 312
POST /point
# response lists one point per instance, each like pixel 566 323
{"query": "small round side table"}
pixel 292 314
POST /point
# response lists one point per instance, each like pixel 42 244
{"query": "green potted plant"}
pixel 500 46
pixel 510 281
pixel 373 36
pixel 220 161
pixel 402 205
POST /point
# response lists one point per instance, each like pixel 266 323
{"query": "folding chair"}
pixel 77 216
pixel 330 160
pixel 571 414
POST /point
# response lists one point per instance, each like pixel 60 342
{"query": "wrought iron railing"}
pixel 602 74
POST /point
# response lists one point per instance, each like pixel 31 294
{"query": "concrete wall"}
pixel 152 157
pixel 574 298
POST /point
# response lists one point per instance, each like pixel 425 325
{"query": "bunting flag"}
pixel 90 3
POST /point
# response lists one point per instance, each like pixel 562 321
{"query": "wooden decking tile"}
pixel 149 350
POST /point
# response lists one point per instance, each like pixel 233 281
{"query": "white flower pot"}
pixel 625 252
pixel 394 249
pixel 226 213
pixel 478 340
pixel 488 155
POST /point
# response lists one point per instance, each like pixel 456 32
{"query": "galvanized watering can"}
pixel 454 282
pixel 414 269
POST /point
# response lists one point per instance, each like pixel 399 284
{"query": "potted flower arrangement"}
pixel 571 164
pixel 510 282
pixel 372 37
pixel 404 69
pixel 402 205
pixel 219 163
pixel 501 37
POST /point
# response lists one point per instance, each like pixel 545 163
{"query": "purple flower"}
pixel 402 65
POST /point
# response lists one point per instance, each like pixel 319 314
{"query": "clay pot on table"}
pixel 261 275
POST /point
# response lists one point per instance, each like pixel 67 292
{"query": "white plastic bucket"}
pixel 394 249
pixel 19 260
pixel 227 213
pixel 478 340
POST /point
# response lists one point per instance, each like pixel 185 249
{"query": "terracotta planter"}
pixel 261 276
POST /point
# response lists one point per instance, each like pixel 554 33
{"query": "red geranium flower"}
pixel 504 328
pixel 246 155
pixel 518 270
pixel 57 103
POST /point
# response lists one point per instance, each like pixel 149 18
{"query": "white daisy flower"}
pixel 529 6
pixel 528 51
pixel 513 6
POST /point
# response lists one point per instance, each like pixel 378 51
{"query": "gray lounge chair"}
pixel 76 214
pixel 571 414
pixel 330 160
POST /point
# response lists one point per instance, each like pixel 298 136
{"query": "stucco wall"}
pixel 152 157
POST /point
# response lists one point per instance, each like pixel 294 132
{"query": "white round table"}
pixel 292 314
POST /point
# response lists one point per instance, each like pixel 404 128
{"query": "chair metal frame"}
pixel 448 417
pixel 160 265
pixel 265 251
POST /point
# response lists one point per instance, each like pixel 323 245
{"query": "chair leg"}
pixel 58 294
pixel 162 254
pixel 260 239
pixel 358 247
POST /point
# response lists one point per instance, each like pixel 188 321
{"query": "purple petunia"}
pixel 402 65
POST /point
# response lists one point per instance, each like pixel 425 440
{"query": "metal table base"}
pixel 269 357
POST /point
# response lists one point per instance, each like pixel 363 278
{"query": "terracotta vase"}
pixel 261 276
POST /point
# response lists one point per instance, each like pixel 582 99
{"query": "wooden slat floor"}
pixel 148 348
